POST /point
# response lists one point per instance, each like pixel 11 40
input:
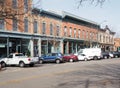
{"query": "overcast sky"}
pixel 108 14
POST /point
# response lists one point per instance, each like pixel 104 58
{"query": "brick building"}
pixel 106 39
pixel 117 44
pixel 39 32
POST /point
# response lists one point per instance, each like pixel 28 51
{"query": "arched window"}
pixel 2 24
pixel 25 25
pixel 15 26
pixel 14 4
pixel 35 26
pixel 51 29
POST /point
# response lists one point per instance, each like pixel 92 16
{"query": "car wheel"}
pixel 105 57
pixel 57 61
pixel 95 58
pixel 85 59
pixel 31 65
pixel 40 61
pixel 21 64
pixel 116 56
pixel 3 64
pixel 71 60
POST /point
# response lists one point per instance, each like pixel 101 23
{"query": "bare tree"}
pixel 10 9
pixel 95 2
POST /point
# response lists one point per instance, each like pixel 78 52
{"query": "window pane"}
pixel 35 26
pixel 26 5
pixel 51 29
pixel 26 25
pixel 2 24
pixel 43 28
pixel 15 25
pixel 58 30
pixel 14 3
pixel 65 31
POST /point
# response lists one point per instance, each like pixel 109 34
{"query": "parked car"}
pixel 51 57
pixel 115 54
pixel 90 53
pixel 83 57
pixel 18 59
pixel 105 55
pixel 70 57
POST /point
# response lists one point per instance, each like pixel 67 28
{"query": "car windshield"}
pixel 19 55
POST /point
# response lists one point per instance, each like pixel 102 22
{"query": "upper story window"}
pixel 14 4
pixel 58 31
pixel 87 34
pixel 83 34
pixel 51 29
pixel 35 26
pixel 25 5
pixel 43 28
pixel 15 26
pixel 70 32
pixel 79 33
pixel 2 24
pixel 65 31
pixel 74 32
pixel 25 25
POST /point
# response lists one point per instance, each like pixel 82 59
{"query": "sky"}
pixel 107 14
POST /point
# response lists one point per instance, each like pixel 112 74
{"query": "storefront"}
pixel 50 45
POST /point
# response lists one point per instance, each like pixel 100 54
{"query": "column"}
pixel 32 47
pixel 61 46
pixel 39 47
pixel 67 47
pixel 76 47
pixel 8 46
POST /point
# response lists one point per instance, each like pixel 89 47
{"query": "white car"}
pixel 83 57
pixel 18 59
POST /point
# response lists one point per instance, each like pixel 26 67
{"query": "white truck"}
pixel 89 53
pixel 18 59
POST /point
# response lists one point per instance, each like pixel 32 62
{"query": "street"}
pixel 83 74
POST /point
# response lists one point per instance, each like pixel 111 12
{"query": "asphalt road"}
pixel 89 74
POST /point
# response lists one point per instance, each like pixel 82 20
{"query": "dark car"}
pixel 105 55
pixel 115 54
pixel 51 57
pixel 70 57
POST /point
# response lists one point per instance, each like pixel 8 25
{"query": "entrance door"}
pixel 18 48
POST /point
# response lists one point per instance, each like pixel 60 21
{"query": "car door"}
pixel 81 57
pixel 47 57
pixel 10 60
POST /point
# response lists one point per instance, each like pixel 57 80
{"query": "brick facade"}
pixel 48 31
